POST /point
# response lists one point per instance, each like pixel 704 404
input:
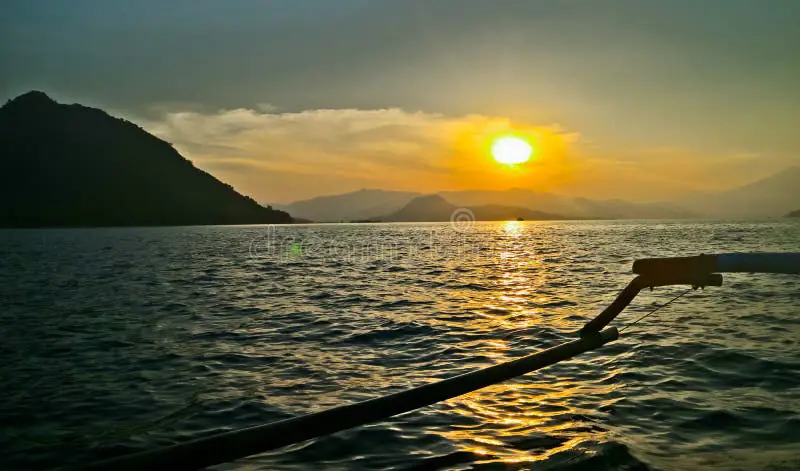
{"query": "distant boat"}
pixel 520 219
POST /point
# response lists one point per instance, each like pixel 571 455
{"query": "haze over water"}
pixel 119 340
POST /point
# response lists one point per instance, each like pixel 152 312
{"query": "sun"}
pixel 510 150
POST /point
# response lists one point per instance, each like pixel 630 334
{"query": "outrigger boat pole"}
pixel 699 271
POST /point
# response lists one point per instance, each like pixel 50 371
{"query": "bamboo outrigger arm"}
pixel 697 271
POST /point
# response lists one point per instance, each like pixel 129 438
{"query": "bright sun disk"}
pixel 511 150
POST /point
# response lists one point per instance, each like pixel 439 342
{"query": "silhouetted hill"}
pixel 423 208
pixel 575 206
pixel 371 204
pixel 433 208
pixel 794 214
pixel 773 196
pixel 358 205
pixel 70 165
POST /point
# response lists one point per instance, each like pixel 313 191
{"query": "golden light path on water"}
pixel 486 422
pixel 521 405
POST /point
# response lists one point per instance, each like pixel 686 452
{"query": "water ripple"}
pixel 118 340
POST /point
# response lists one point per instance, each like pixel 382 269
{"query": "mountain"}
pixel 432 208
pixel 794 214
pixel 70 165
pixel 373 204
pixel 773 196
pixel 361 204
pixel 574 206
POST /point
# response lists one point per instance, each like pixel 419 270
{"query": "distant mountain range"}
pixel 569 206
pixel 380 205
pixel 435 208
pixel 70 165
pixel 771 197
pixel 358 205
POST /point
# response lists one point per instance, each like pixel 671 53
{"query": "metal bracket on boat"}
pixel 692 271
pixel 697 271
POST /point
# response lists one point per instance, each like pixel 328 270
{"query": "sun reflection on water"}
pixel 520 422
pixel 484 307
pixel 513 228
pixel 533 417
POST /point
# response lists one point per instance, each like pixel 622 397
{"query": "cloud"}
pixel 642 73
pixel 283 156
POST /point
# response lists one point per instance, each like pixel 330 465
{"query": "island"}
pixel 432 208
pixel 71 165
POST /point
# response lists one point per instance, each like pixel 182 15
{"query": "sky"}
pixel 290 99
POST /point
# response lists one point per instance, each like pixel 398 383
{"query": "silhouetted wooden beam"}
pixel 230 446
